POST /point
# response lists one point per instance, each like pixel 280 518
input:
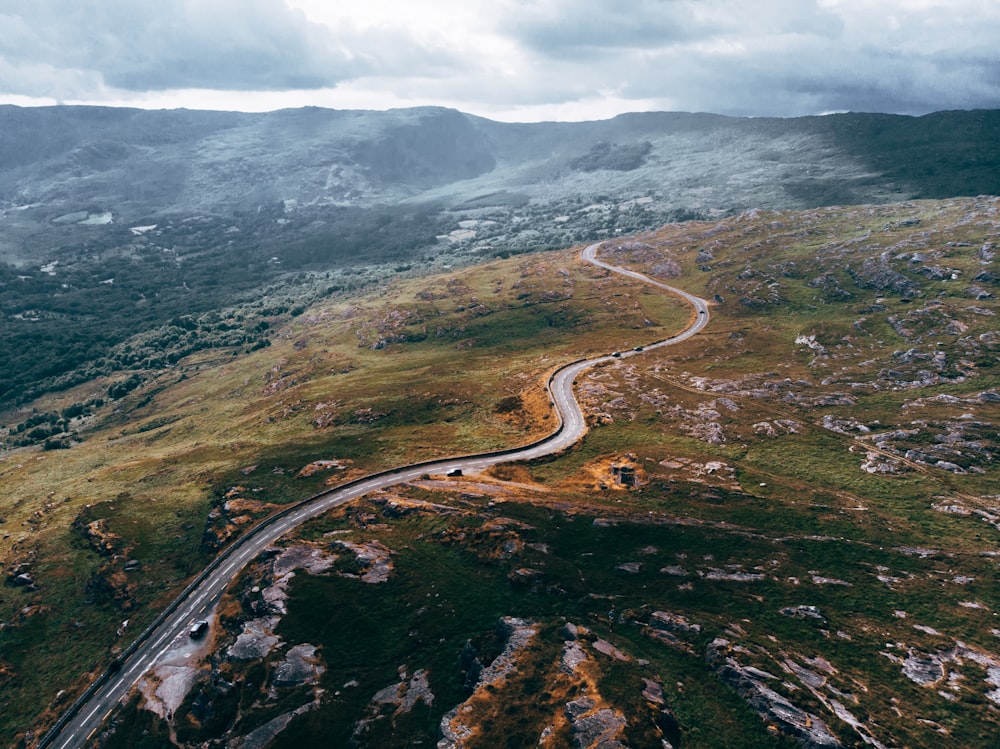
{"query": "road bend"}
pixel 83 719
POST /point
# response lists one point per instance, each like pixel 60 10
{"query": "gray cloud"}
pixel 575 29
pixel 154 45
pixel 578 30
pixel 767 57
pixel 778 57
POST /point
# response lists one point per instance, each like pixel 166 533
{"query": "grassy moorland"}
pixel 416 369
pixel 807 548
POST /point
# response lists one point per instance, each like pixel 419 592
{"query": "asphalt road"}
pixel 197 601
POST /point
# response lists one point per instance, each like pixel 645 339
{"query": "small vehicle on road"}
pixel 198 629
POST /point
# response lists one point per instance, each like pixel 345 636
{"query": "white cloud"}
pixel 525 59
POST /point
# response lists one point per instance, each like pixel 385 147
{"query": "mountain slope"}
pixel 116 222
pixel 215 160
pixel 785 526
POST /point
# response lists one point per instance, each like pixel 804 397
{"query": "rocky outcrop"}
pixel 373 558
pixel 262 737
pixel 300 666
pixel 393 701
pixel 256 641
pixel 932 669
pixel 519 633
pixel 101 540
pixel 230 517
pixel 877 273
pixel 777 710
pixel 593 727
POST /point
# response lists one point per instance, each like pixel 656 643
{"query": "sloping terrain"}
pixel 780 531
pixel 115 224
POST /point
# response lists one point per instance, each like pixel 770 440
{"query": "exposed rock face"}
pixel 297 556
pixel 374 558
pixel 301 666
pixel 923 669
pixel 166 688
pixel 605 647
pixel 520 633
pixel 256 641
pixel 594 728
pixel 263 736
pixel 227 519
pixel 572 657
pixel 931 669
pixel 393 701
pixel 807 728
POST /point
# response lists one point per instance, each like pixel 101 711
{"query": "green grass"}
pixel 443 593
pixel 468 341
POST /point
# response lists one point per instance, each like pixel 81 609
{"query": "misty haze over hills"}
pixel 141 164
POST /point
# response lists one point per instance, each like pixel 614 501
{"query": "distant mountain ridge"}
pixel 139 163
pixel 117 223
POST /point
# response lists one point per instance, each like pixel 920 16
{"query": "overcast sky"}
pixel 506 59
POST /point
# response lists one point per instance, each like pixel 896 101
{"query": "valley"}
pixel 132 239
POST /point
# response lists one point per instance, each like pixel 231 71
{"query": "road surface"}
pixel 197 601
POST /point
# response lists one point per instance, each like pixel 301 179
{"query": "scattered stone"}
pixel 300 666
pixel 820 580
pixel 525 576
pixel 321 465
pixel 573 631
pixel 674 569
pixel 804 612
pixel 652 691
pixel 916 551
pixel 739 577
pixel 23 580
pixel 605 647
pixel 973 605
pixel 672 622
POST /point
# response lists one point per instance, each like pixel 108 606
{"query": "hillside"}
pixel 781 530
pixel 123 232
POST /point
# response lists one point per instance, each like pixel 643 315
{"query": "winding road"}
pixel 197 601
